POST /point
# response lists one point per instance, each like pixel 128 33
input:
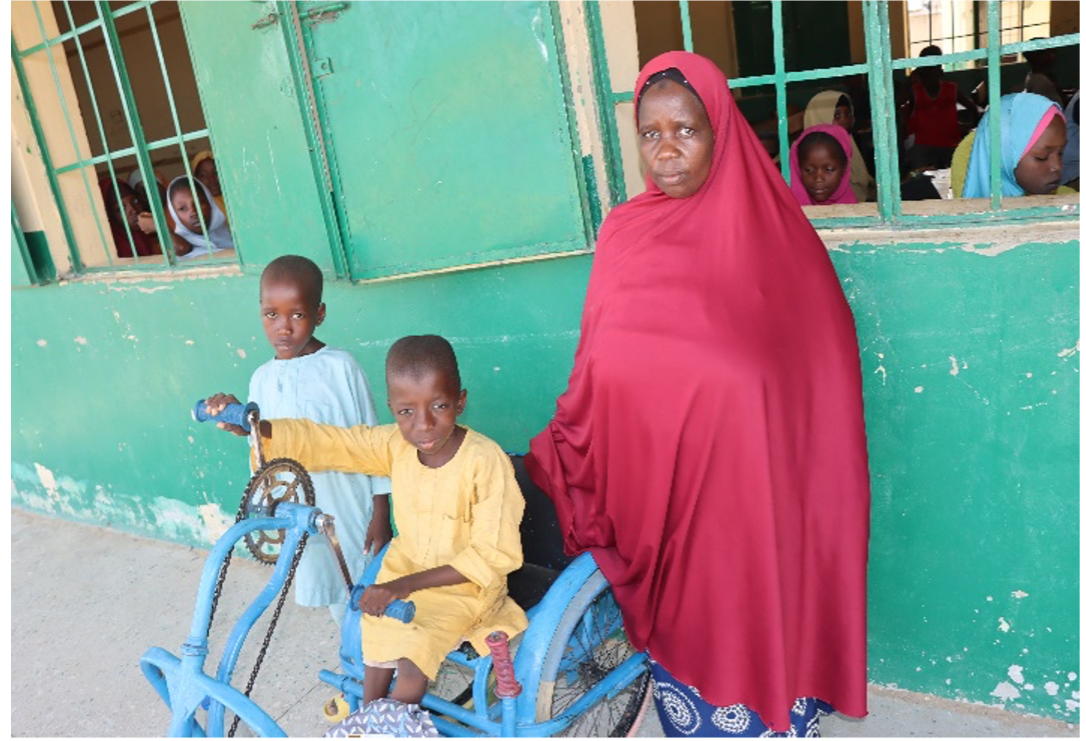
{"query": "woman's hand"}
pixel 215 404
pixel 376 599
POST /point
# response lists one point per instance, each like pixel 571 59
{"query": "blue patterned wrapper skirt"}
pixel 683 713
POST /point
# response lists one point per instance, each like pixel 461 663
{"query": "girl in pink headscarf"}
pixel 820 162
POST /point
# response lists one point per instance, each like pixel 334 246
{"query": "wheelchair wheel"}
pixel 588 644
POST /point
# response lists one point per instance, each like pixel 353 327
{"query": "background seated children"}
pixel 834 107
pixel 1041 79
pixel 211 235
pixel 204 169
pixel 1070 152
pixel 307 379
pixel 124 209
pixel 819 163
pixel 145 220
pixel 930 115
pixel 1032 137
pixel 458 511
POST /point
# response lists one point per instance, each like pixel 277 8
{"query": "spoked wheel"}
pixel 588 644
pixel 279 480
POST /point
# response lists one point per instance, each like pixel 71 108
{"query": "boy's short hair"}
pixel 298 270
pixel 417 355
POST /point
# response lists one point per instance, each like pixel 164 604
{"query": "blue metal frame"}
pixel 185 687
pixel 508 717
pixel 182 683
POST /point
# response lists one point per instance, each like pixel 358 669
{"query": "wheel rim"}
pixel 596 645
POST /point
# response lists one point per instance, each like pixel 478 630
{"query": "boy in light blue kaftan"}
pixel 308 380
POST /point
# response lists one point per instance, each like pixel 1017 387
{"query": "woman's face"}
pixel 208 174
pixel 821 171
pixel 1041 168
pixel 676 139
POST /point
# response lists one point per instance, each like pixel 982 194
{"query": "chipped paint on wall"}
pixel 1006 692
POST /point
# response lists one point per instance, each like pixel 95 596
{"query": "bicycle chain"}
pixel 271 627
pixel 307 488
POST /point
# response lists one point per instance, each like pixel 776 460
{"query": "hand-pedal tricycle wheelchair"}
pixel 572 672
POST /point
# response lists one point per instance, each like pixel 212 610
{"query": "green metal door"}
pixel 446 132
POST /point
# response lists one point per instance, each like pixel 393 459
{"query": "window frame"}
pixel 879 69
pixel 140 147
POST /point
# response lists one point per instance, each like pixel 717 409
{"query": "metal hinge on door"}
pixel 323 13
pixel 322 67
pixel 269 20
pixel 313 16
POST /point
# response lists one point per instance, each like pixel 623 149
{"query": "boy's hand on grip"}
pixel 215 404
pixel 377 598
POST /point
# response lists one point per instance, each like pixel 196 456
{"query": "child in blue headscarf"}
pixel 1033 134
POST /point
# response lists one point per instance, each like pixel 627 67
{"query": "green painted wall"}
pixel 971 391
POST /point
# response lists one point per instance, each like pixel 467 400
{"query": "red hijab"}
pixel 145 244
pixel 710 448
pixel 844 193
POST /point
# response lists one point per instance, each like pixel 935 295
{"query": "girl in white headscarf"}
pixel 213 234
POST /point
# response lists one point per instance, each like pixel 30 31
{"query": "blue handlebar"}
pixel 398 609
pixel 235 414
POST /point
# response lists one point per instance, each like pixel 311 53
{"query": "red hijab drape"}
pixel 710 448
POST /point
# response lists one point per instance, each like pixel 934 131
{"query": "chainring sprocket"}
pixel 277 481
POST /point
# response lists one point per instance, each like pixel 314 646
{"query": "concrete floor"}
pixel 88 601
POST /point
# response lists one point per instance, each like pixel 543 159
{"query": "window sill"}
pixel 156 269
pixel 950 212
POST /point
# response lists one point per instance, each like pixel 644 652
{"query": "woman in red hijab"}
pixel 710 449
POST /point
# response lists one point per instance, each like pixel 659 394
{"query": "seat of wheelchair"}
pixel 541 539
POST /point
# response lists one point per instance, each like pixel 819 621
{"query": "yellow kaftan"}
pixel 465 514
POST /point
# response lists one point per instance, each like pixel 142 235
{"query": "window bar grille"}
pixel 779 82
pixel 105 144
pixel 177 129
pixel 688 35
pixel 71 132
pixel 1067 39
pixel 47 159
pixel 995 38
pixel 128 103
pixel 79 30
pixel 883 128
pixel 131 151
